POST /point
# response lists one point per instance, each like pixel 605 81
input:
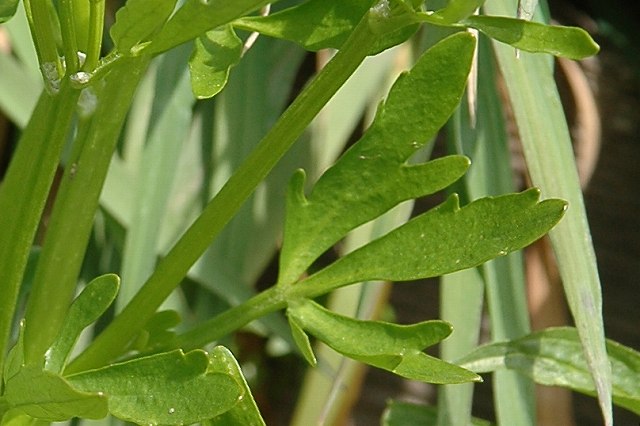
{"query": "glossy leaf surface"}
pixel 168 388
pixel 392 347
pixel 213 56
pixel 373 176
pixel 554 357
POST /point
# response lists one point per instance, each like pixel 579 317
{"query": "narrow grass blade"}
pixel 549 155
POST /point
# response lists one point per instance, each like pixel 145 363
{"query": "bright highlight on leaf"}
pixel 554 357
pixel 214 54
pixel 392 347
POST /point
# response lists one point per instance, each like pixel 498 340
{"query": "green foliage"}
pixel 392 347
pixel 407 414
pixel 144 367
pixel 553 358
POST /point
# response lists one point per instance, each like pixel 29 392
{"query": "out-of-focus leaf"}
pixel 526 9
pixel 168 388
pixel 138 20
pixel 195 17
pixel 373 175
pixel 570 42
pixel 157 332
pixel 554 357
pixel 94 300
pixel 399 413
pixel 48 396
pixel 8 9
pixel 19 90
pixel 213 56
pixel 392 347
pixel 245 412
pixel 447 239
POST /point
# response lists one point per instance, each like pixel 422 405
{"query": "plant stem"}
pixel 33 166
pixel 72 217
pixel 174 267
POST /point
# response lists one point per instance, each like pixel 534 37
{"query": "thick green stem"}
pixel 174 267
pixel 32 168
pixel 72 218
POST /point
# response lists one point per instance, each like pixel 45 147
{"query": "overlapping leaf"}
pixel 168 388
pixel 48 396
pixel 138 20
pixel 196 17
pixel 244 412
pixel 321 24
pixel 392 347
pixel 554 357
pixel 373 176
pixel 94 300
pixel 570 42
pixel 400 413
pixel 213 56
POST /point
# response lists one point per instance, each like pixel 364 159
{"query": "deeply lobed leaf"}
pixel 214 54
pixel 392 347
pixel 373 176
pixel 447 239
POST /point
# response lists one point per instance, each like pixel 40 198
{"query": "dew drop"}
pixel 502 253
pixel 362 157
pixel 80 79
pixel 82 57
pixel 172 410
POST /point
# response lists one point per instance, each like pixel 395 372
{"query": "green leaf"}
pixel 48 396
pixel 94 300
pixel 244 412
pixel 570 42
pixel 7 9
pixel 392 347
pixel 399 413
pixel 138 20
pixel 196 17
pixel 554 357
pixel 215 53
pixel 321 24
pixel 302 340
pixel 457 10
pixel 373 176
pixel 447 239
pixel 15 357
pixel 167 388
